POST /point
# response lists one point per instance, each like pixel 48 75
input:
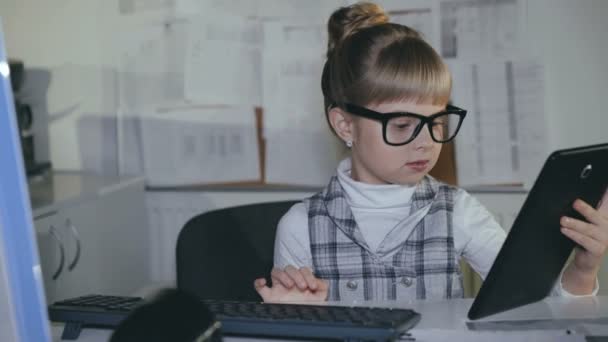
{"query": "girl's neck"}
pixel 361 174
pixel 364 195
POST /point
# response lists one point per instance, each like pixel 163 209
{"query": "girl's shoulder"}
pixel 296 216
pixel 461 197
pixel 440 185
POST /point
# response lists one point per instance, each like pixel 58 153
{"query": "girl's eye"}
pixel 402 123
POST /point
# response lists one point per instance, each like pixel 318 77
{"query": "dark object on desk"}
pixel 535 250
pixel 242 319
pixel 25 120
pixel 221 252
pixel 91 310
pixel 173 316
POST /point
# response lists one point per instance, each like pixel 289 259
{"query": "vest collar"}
pixel 338 209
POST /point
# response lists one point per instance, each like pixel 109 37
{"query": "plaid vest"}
pixel 423 265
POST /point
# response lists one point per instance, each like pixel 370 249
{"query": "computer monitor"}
pixel 22 302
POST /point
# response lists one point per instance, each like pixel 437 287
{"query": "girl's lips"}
pixel 418 165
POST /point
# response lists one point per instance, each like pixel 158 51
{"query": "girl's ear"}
pixel 342 123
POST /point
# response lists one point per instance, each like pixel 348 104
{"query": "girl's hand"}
pixel 592 240
pixel 292 285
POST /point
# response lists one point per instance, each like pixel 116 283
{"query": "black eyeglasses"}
pixel 401 128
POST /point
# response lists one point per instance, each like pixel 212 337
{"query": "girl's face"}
pixel 375 162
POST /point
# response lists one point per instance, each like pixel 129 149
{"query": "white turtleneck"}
pixel 378 209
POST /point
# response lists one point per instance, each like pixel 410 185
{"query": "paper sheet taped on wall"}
pixel 301 156
pixel 292 89
pixel 476 28
pixel 314 10
pixel 243 8
pixel 293 58
pixel 503 139
pixel 223 60
pixel 152 66
pixel 135 7
pixel 294 118
pixel 200 145
pixel 421 15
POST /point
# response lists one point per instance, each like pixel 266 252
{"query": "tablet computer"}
pixel 535 250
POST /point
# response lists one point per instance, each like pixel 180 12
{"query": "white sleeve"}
pixel 292 242
pixel 478 238
pixel 559 290
pixel 477 235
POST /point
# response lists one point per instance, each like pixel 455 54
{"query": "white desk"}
pixel 553 319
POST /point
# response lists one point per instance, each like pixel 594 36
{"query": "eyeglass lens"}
pixel 403 129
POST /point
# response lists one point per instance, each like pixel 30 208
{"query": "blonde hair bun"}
pixel 371 61
pixel 347 20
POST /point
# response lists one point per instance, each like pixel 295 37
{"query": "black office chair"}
pixel 220 253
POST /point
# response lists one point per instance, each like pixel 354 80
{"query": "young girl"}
pixel 383 229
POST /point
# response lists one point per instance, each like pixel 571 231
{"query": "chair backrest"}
pixel 220 253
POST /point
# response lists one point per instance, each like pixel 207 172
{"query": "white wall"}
pixel 76 39
pixel 571 38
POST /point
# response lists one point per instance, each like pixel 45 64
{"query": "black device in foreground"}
pixel 251 318
pixel 535 250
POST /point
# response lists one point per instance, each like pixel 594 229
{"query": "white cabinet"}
pixel 94 240
pixel 51 251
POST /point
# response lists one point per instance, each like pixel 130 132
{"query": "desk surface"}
pixel 555 318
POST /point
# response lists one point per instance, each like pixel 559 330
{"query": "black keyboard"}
pixel 312 321
pixel 91 310
pixel 251 319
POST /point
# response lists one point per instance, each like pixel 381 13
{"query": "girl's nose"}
pixel 424 139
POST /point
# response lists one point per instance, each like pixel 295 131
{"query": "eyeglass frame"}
pixel 424 120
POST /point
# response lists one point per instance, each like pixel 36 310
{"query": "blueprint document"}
pixel 503 138
pixel 421 15
pixel 300 148
pixel 476 28
pixel 200 145
pixel 223 59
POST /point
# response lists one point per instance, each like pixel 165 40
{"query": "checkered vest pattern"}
pixel 423 265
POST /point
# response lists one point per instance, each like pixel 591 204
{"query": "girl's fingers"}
pixel 297 277
pixel 590 213
pixel 585 228
pixel 589 244
pixel 282 277
pixel 258 283
pixel 309 277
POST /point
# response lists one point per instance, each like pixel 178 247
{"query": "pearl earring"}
pixel 349 143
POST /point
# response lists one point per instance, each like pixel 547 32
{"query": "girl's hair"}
pixel 372 61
